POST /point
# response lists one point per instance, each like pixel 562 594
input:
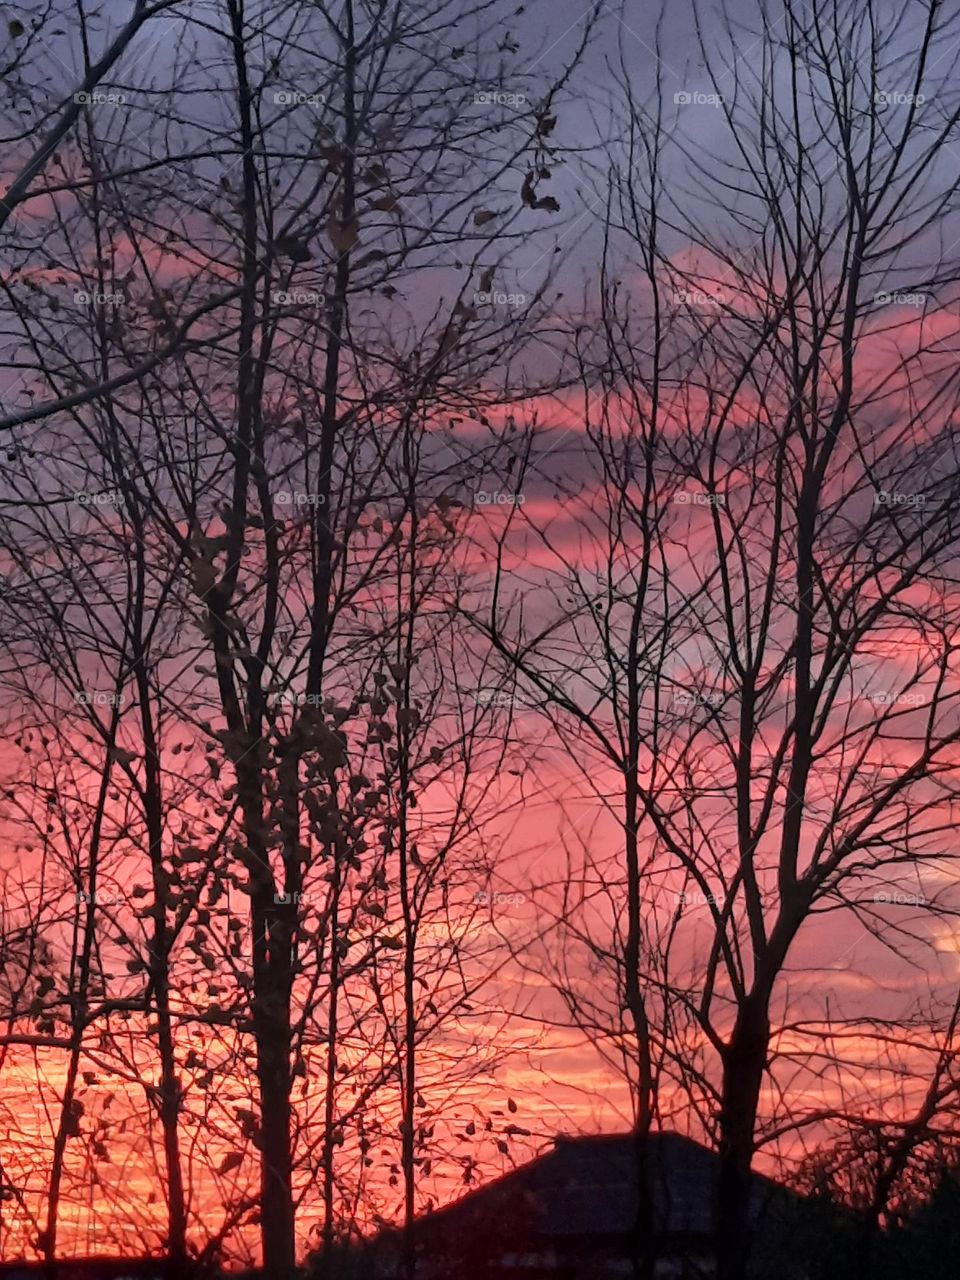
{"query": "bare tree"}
pixel 239 369
pixel 771 608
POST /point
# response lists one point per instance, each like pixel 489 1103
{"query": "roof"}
pixel 587 1187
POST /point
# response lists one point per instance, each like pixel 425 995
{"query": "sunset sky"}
pixel 480 618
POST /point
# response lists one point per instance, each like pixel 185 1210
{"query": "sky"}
pixel 553 817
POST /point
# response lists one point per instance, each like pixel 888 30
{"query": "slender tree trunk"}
pixel 70 1112
pixel 271 922
pixel 68 1120
pixel 408 1083
pixel 170 1119
pixel 169 1094
pixel 330 1082
pixel 644 1245
pixel 644 1252
pixel 329 421
pixel 409 1088
pixel 159 964
pixel 407 608
pixel 272 988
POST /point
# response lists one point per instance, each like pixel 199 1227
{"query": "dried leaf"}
pixel 293 248
pixel 343 235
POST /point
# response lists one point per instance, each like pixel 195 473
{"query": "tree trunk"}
pixel 170 1099
pixel 743 1068
pixel 408 1091
pixel 643 1251
pixel 69 1120
pixel 271 1019
pixel 643 1245
pixel 330 1082
pixel 159 963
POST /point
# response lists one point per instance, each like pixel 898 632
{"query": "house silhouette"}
pixel 572 1214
